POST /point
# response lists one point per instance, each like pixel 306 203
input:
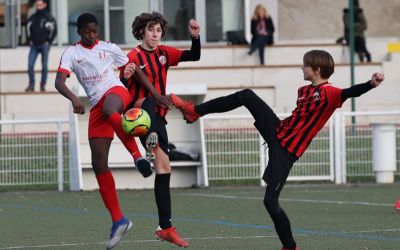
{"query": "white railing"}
pixel 29 156
pixel 353 142
pixel 233 149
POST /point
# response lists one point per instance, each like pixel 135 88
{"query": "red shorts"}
pixel 98 126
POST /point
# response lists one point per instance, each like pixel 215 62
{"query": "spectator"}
pixel 262 30
pixel 41 31
pixel 360 25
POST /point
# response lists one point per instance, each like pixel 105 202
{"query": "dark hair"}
pixel 86 18
pixel 141 21
pixel 320 59
pixel 44 1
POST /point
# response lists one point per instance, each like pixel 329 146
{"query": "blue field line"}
pixel 105 213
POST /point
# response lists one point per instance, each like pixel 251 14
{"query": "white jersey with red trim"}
pixel 94 67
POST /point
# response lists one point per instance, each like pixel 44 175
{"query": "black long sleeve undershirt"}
pixel 194 53
pixel 356 90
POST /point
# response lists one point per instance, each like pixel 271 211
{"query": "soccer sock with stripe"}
pixel 109 194
pixel 163 199
pixel 115 120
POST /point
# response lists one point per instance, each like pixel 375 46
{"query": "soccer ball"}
pixel 136 122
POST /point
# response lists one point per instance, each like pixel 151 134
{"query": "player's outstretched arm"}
pixel 194 28
pixel 61 77
pixel 195 50
pixel 359 89
pixel 160 99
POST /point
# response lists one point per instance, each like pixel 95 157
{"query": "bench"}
pixel 126 176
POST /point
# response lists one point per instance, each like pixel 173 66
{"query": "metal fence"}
pixel 234 149
pixel 30 156
pixel 354 154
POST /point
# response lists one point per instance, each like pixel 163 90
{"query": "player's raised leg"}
pixel 114 104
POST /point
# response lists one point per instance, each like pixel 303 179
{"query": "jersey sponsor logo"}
pixel 300 98
pixel 102 55
pixel 143 66
pixel 162 59
pixel 81 60
pixel 316 96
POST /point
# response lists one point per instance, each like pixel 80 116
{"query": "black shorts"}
pixel 280 161
pixel 161 131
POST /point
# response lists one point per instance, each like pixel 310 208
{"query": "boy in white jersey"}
pixel 92 61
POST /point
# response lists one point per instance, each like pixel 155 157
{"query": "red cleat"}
pixel 187 108
pixel 170 235
pixel 289 248
pixel 397 205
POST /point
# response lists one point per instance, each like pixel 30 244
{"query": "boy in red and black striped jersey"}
pixel 155 59
pixel 287 139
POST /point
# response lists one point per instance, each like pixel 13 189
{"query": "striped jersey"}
pixel 94 67
pixel 155 65
pixel 315 104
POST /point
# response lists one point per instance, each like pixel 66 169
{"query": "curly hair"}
pixel 141 22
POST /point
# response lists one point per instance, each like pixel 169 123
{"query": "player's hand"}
pixel 79 108
pixel 377 78
pixel 194 28
pixel 129 70
pixel 164 101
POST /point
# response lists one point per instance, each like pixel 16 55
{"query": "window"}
pixel 178 14
pixel 223 16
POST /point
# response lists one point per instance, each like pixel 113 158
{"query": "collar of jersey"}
pixel 149 51
pixel 91 46
pixel 319 85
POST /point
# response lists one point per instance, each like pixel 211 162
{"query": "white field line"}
pixel 362 203
pixel 200 238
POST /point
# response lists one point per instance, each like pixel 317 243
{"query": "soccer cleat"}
pixel 171 235
pixel 144 167
pixel 187 108
pixel 151 143
pixel 118 229
pixel 283 248
pixel 397 205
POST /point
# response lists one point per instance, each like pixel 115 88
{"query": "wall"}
pixel 322 19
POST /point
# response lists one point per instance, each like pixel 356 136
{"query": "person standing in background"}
pixel 262 30
pixel 360 25
pixel 41 30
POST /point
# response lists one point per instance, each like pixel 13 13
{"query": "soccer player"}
pixel 92 61
pixel 287 139
pixel 397 205
pixel 155 59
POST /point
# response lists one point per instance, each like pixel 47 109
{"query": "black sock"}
pixel 220 104
pixel 149 104
pixel 163 199
pixel 279 217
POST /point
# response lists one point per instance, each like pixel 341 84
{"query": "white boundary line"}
pixel 200 238
pixel 362 203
